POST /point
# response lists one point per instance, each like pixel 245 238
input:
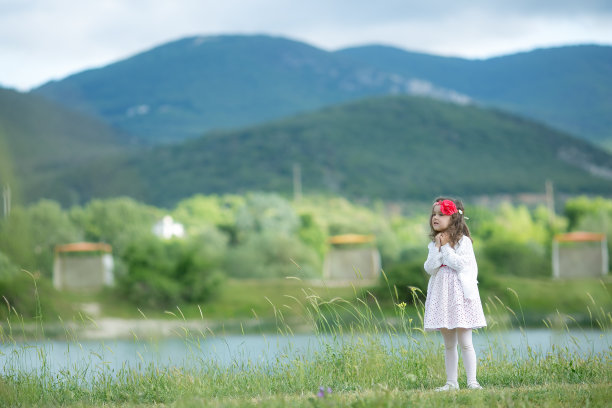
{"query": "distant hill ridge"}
pixel 183 88
pixel 566 87
pixel 40 139
pixel 392 148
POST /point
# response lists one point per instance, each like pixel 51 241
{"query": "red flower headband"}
pixel 448 207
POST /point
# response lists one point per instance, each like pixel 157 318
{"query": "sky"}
pixel 43 40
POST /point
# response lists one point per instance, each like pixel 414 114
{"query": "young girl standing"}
pixel 453 304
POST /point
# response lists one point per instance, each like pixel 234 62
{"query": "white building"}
pixel 580 255
pixel 166 228
pixel 353 258
pixel 83 266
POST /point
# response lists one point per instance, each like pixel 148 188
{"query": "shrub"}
pixel 407 272
pixel 512 258
pixel 7 268
pixel 273 256
pixel 401 277
pixel 22 296
pixel 165 273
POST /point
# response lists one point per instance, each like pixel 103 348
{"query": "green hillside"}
pixel 183 88
pixel 39 140
pixel 393 148
pixel 568 88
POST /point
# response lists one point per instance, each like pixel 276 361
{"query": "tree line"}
pixel 262 235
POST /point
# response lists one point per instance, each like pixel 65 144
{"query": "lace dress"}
pixel 452 294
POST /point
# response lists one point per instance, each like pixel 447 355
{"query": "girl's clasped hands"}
pixel 442 239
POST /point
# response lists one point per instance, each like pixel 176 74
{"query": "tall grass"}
pixel 366 357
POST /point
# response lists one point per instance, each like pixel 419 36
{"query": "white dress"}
pixel 446 305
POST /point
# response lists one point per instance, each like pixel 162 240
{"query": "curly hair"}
pixel 457 227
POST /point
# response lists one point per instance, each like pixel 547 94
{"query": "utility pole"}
pixel 6 199
pixel 550 203
pixel 297 182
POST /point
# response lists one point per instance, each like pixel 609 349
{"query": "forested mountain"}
pixel 183 88
pixel 186 87
pixel 566 87
pixel 39 140
pixel 393 148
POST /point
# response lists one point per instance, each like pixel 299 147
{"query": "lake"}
pixel 93 355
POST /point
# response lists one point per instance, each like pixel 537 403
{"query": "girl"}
pixel 453 303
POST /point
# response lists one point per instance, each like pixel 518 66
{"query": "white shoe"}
pixel 448 387
pixel 474 386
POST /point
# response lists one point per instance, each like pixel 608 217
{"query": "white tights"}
pixel 451 358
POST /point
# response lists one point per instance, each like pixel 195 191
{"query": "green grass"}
pixel 236 299
pixel 557 395
pixel 360 374
pixel 243 299
pixel 260 306
pixel 361 369
pixel 542 396
pixel 240 298
pixel 568 295
pixel 548 302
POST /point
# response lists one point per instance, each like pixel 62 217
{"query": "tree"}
pixel 116 221
pixel 200 212
pixel 266 213
pixel 49 226
pixel 580 208
pixel 15 239
pixel 166 273
pixel 270 255
pixel 312 234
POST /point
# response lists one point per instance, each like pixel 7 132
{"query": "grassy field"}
pixel 256 306
pixel 553 396
pixel 244 299
pixel 237 298
pixel 361 372
pixel 541 396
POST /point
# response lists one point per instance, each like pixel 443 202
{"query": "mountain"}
pixel 568 87
pixel 183 88
pixel 39 140
pixel 186 87
pixel 393 148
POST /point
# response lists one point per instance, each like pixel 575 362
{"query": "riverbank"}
pixel 111 328
pixel 261 306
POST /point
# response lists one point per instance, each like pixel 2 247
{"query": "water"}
pixel 89 357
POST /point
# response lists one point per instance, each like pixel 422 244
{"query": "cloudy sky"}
pixel 42 40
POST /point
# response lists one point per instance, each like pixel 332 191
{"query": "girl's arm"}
pixel 434 259
pixel 459 258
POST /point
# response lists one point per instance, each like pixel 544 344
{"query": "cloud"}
pixel 41 39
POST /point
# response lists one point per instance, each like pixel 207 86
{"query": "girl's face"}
pixel 439 221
